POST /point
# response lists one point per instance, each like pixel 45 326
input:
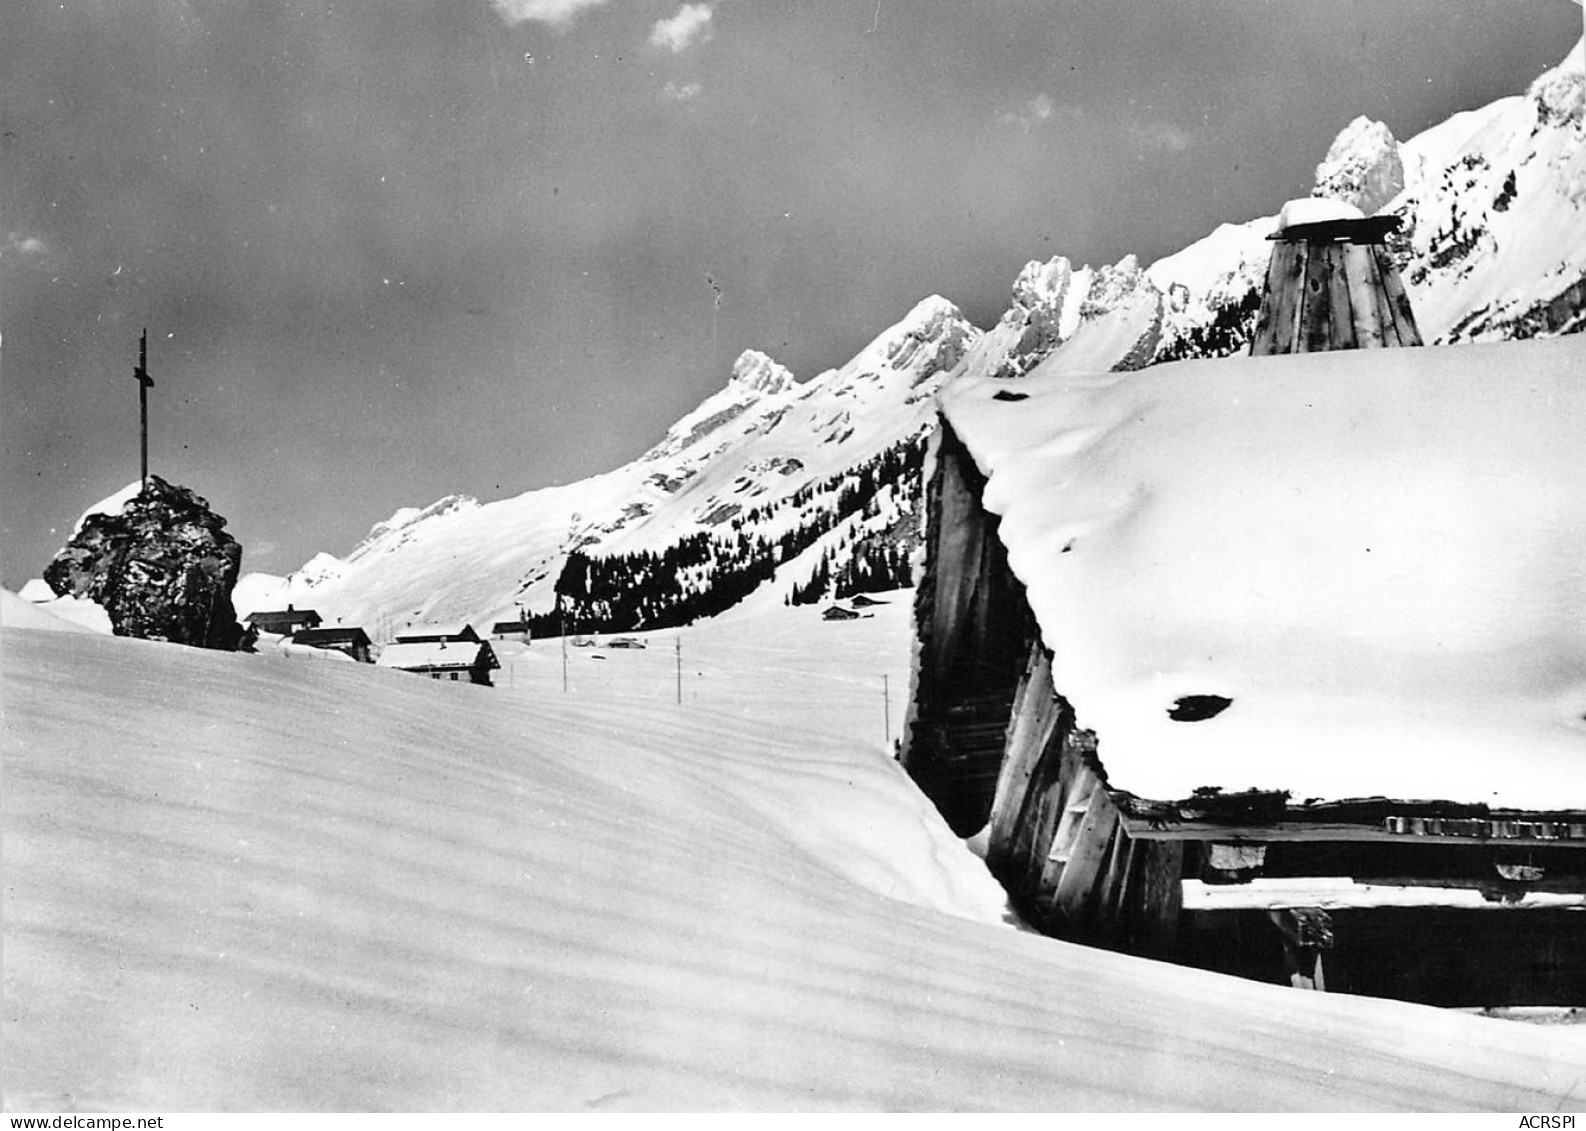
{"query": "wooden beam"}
pixel 1292 830
pixel 1360 264
pixel 1049 822
pixel 1113 887
pixel 1398 302
pixel 1342 892
pixel 1278 322
pixel 959 546
pixel 1340 302
pixel 1075 864
pixel 1316 321
pixel 1154 910
pixel 1036 713
pixel 1366 230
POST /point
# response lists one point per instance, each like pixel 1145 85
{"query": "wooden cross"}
pixel 145 383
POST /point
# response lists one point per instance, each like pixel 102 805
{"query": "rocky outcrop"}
pixel 1033 326
pixel 162 567
pixel 754 370
pixel 1363 167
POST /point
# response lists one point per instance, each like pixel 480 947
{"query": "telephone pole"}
pixel 886 708
pixel 145 383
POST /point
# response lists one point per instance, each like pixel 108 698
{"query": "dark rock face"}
pixel 163 569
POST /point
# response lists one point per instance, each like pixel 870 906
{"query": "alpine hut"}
pixel 350 640
pixel 1274 665
pixel 438 633
pixel 469 661
pixel 521 629
pixel 283 622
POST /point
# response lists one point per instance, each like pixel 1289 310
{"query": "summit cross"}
pixel 145 383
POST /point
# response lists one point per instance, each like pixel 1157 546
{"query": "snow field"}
pixel 256 883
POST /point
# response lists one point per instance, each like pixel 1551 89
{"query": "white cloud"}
pixel 691 25
pixel 681 92
pixel 1037 112
pixel 20 243
pixel 558 13
pixel 1163 136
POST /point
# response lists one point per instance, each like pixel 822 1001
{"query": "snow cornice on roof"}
pixel 1378 557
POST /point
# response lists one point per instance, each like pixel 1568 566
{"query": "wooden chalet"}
pixel 456 660
pixel 462 632
pixel 1314 814
pixel 512 630
pixel 353 641
pixel 284 622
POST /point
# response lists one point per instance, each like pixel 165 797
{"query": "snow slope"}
pixel 1494 203
pixel 1498 203
pixel 754 444
pixel 1379 556
pixel 18 612
pixel 245 883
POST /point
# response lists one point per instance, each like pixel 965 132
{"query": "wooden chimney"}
pixel 1332 286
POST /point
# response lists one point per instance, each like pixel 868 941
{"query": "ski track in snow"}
pixel 256 883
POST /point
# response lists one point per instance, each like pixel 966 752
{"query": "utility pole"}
pixel 145 383
pixel 886 708
pixel 678 641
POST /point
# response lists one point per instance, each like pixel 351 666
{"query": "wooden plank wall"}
pixel 1332 295
pixel 974 629
pixel 1056 841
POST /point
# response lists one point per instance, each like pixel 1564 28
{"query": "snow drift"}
pixel 250 883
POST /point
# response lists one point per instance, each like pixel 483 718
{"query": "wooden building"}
pixel 513 630
pixel 459 661
pixel 352 641
pixel 284 622
pixel 1175 743
pixel 461 632
pixel 1331 285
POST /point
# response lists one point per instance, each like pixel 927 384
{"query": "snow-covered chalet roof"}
pixel 1378 556
pixel 457 630
pixel 457 655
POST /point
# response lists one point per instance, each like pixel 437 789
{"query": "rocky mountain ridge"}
pixel 758 482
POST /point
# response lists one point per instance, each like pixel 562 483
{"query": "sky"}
pixel 391 250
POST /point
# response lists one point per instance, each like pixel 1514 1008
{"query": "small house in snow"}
pixel 284 622
pixel 512 630
pixel 1274 665
pixel 353 641
pixel 455 660
pixel 438 633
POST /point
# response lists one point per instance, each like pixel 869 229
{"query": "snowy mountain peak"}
pixel 1493 246
pixel 1560 94
pixel 1111 286
pixel 389 530
pixel 930 340
pixel 1043 285
pixel 1363 166
pixel 754 370
pixel 932 310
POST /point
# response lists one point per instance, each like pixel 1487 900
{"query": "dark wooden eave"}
pixel 1371 229
pixel 1264 815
